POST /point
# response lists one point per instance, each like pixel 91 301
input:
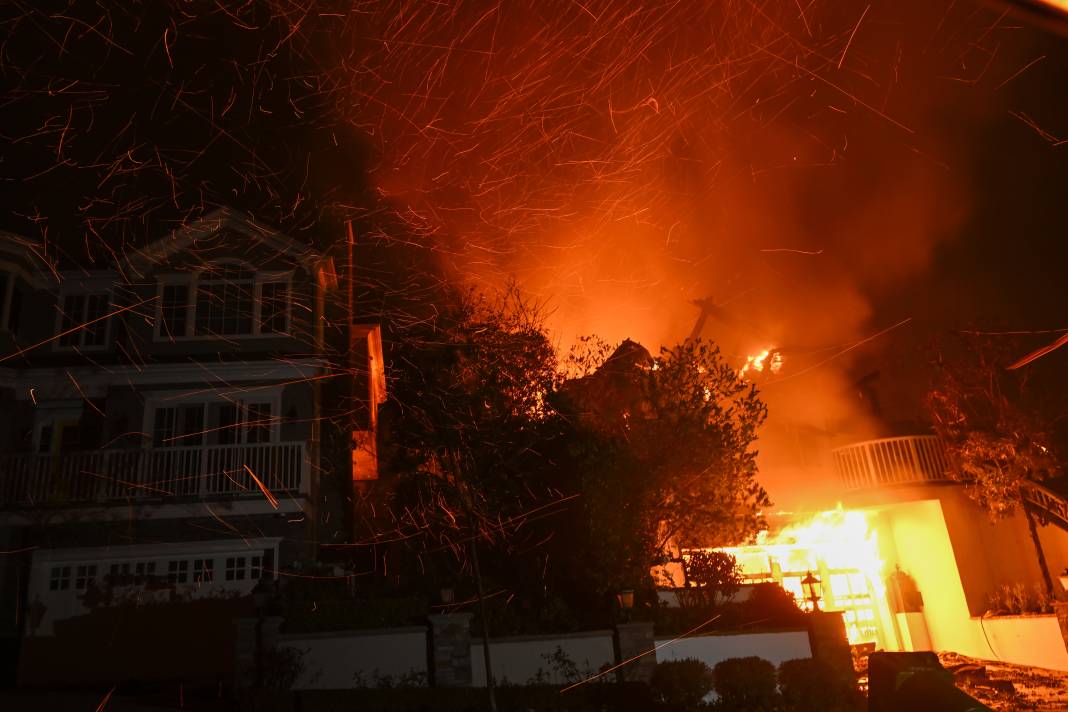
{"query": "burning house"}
pixel 914 564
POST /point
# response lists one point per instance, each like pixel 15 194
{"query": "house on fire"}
pixel 161 421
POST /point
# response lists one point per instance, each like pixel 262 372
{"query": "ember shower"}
pixel 791 162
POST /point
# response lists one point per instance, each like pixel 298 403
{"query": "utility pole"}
pixel 490 685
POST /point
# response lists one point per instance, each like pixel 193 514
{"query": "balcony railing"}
pixel 890 461
pixel 108 475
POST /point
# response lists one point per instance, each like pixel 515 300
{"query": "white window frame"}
pixel 80 333
pixel 192 280
pixel 271 394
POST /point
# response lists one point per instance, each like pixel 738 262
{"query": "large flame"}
pixel 841 548
pixel 769 360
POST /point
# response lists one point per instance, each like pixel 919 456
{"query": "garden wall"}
pixel 1024 640
pixel 776 648
pixel 357 658
pixel 520 659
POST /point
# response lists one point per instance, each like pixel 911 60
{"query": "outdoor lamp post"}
pixel 813 589
pixel 625 599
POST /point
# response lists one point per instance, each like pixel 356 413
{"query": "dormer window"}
pixel 82 322
pixel 225 300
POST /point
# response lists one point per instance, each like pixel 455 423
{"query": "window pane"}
pixel 4 279
pixel 226 424
pixel 96 333
pixel 174 310
pixel 163 429
pixel 258 424
pixel 44 444
pixel 274 307
pixel 192 425
pixel 73 306
pixel 224 305
pixel 15 311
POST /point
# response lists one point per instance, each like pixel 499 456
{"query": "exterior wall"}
pixel 918 541
pixel 347 659
pixel 68 599
pixel 1055 547
pixel 989 554
pixel 1024 640
pixel 776 648
pixel 518 659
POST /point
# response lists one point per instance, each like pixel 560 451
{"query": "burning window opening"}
pixel 769 360
pixel 841 548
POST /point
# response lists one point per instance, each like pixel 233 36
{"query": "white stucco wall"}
pixel 346 659
pixel 518 659
pixel 776 648
pixel 1024 640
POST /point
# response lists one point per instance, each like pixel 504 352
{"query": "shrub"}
pixel 716 575
pixel 1018 599
pixel 810 685
pixel 769 602
pixel 746 684
pixel 682 683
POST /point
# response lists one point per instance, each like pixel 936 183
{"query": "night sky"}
pixel 822 171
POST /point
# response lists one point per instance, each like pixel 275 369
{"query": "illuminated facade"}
pixel 914 564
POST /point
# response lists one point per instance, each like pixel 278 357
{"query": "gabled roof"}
pixel 26 258
pixel 141 261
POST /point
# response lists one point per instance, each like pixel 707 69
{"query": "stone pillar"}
pixel 827 638
pixel 450 650
pixel 631 640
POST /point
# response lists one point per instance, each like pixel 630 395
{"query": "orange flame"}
pixel 841 548
pixel 769 360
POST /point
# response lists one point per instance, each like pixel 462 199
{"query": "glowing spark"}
pixel 266 492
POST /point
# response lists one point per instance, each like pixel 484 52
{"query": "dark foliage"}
pixel 811 685
pixel 746 684
pixel 682 684
pixel 711 577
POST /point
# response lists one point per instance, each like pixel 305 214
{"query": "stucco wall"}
pixel 1055 547
pixel 919 543
pixel 518 659
pixel 346 659
pixel 1024 640
pixel 989 554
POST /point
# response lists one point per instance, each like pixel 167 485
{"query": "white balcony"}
pixel 206 472
pixel 891 461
